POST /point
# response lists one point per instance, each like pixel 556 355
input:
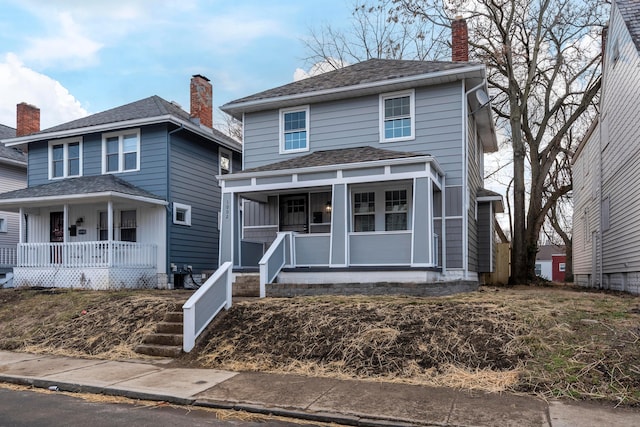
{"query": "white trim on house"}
pixel 65 157
pixel 282 131
pixel 412 115
pixel 121 134
pixel 88 197
pixel 186 210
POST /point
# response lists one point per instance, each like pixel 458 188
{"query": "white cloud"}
pixel 21 84
pixel 318 68
pixel 70 48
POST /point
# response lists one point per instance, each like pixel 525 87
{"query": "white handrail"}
pixel 205 304
pixel 87 254
pixel 274 259
pixel 8 256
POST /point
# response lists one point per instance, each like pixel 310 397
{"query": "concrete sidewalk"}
pixel 317 399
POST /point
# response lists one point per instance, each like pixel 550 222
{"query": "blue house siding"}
pixel 37 170
pixel 194 165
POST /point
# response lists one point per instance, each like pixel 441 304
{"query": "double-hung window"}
pixel 121 151
pixel 128 226
pixel 225 162
pixel 395 217
pixel 294 130
pixel 397 116
pixel 65 158
pixel 364 212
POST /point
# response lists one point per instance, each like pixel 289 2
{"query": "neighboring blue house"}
pixel 123 198
pixel 13 176
pixel 369 173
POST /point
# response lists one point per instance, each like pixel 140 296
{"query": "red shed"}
pixel 558 267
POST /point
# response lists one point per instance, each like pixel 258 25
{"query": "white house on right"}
pixel 606 166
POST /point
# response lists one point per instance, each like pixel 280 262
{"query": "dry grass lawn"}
pixel 548 341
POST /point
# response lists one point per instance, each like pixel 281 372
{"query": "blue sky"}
pixel 78 57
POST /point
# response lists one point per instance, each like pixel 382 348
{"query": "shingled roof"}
pixel 80 185
pixel 334 157
pixel 370 71
pixel 9 153
pixel 630 11
pixel 153 106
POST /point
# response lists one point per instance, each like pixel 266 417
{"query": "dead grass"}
pixel 551 342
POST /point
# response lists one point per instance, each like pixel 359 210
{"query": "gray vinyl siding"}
pixel 475 182
pixel 38 172
pixel 11 178
pixel 485 238
pixel 355 123
pixel 620 146
pixel 453 228
pixel 194 165
pixel 586 212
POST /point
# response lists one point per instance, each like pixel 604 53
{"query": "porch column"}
pixel 227 228
pixel 110 231
pixel 65 223
pixel 21 223
pixel 422 222
pixel 339 220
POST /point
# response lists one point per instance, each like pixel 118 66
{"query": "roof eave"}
pixel 236 109
pixel 19 141
pixel 58 199
pixel 13 162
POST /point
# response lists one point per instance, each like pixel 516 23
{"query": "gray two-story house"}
pixel 369 173
pixel 606 178
pixel 123 198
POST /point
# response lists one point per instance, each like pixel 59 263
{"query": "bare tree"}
pixel 375 33
pixel 232 127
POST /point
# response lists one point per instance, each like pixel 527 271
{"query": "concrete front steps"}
pixel 166 341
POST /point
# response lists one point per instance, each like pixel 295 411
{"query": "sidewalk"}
pixel 317 399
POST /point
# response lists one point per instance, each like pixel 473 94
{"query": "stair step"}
pixel 169 328
pixel 159 350
pixel 174 317
pixel 163 339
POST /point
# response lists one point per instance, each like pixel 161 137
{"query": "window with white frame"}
pixel 121 151
pixel 294 130
pixel 3 224
pixel 395 211
pixel 397 116
pixel 364 212
pixel 65 158
pixel 562 266
pixel 224 162
pixel 181 214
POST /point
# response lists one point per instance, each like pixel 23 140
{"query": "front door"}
pixel 56 235
pixel 293 213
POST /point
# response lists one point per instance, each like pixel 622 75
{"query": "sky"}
pixel 72 58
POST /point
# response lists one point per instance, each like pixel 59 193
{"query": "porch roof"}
pixel 334 157
pixel 488 196
pixel 85 188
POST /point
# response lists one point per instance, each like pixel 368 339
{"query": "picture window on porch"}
pixel 121 151
pixel 294 130
pixel 395 210
pixel 65 159
pixel 364 212
pixel 128 226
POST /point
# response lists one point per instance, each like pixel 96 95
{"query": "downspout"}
pixel 169 205
pixel 465 182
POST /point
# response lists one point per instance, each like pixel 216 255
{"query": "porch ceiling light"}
pixel 327 207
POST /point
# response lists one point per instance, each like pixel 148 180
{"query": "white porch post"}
pixel 21 226
pixel 65 223
pixel 110 231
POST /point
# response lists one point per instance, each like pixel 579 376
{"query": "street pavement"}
pixel 350 402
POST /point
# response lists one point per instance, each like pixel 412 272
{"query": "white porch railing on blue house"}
pixel 205 304
pixel 279 254
pixel 87 254
pixel 8 256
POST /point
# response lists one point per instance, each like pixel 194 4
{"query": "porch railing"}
pixel 278 255
pixel 8 256
pixel 87 254
pixel 205 304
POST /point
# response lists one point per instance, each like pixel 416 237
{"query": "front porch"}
pixel 109 239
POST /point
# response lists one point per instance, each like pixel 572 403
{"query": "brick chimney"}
pixel 202 100
pixel 27 120
pixel 459 40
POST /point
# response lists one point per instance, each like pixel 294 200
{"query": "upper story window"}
pixel 121 151
pixel 397 116
pixel 225 162
pixel 294 130
pixel 65 158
